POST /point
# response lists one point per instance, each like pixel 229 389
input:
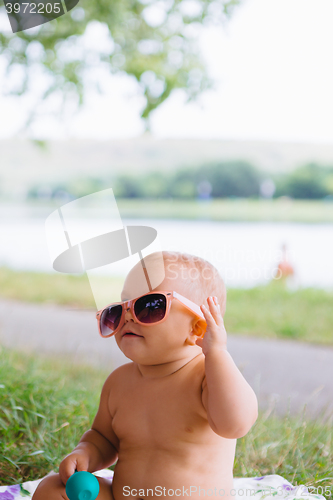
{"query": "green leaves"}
pixel 159 37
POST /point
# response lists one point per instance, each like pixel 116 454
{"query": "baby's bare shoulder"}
pixel 119 375
pixel 197 373
pixel 113 388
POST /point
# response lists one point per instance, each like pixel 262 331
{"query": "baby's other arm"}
pixel 230 402
pixel 98 447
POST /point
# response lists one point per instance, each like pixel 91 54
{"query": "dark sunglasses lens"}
pixel 150 308
pixel 110 319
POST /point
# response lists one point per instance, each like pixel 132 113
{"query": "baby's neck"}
pixel 165 369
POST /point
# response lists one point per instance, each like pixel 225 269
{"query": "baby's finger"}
pixel 66 469
pixel 208 315
pixel 216 302
pixel 215 309
pixel 82 463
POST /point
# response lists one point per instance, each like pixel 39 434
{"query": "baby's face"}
pixel 167 341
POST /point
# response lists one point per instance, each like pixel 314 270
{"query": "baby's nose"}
pixel 128 315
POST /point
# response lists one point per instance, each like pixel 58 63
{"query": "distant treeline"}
pixel 217 180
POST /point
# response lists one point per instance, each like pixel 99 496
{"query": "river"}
pixel 246 254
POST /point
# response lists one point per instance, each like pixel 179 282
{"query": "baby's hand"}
pixel 215 336
pixel 77 460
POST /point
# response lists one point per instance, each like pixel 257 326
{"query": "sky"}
pixel 273 76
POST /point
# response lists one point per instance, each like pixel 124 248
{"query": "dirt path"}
pixel 285 373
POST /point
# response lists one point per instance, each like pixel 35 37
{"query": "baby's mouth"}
pixel 131 334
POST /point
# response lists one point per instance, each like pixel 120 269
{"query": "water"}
pixel 246 254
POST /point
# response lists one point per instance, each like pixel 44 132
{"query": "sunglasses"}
pixel 149 309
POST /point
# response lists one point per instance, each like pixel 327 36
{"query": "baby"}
pixel 171 417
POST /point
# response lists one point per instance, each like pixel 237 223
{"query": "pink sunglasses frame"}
pixel 129 304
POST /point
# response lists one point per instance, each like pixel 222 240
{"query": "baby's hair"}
pixel 201 277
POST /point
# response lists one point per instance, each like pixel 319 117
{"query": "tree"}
pixel 306 182
pixel 154 41
pixel 127 186
pixel 232 178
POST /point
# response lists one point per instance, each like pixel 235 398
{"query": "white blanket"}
pixel 252 488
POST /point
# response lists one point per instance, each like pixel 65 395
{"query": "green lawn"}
pixel 46 406
pixel 273 311
pixel 270 311
pixel 63 289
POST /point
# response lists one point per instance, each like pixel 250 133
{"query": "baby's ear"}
pixel 198 330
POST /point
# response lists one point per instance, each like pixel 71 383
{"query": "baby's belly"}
pixel 157 474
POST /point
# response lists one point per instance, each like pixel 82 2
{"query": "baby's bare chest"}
pixel 155 413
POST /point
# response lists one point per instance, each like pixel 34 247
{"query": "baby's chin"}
pixel 146 359
pixel 161 357
pixel 131 348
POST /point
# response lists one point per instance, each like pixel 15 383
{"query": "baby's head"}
pixel 194 277
pixel 191 276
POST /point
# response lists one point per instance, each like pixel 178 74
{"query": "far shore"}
pixel 233 210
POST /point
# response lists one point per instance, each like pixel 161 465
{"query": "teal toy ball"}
pixel 82 486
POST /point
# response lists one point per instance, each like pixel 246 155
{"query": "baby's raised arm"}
pixel 230 402
pixel 98 447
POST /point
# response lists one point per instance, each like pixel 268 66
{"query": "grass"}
pixel 273 311
pixel 62 289
pixel 270 311
pixel 46 406
pixel 294 447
